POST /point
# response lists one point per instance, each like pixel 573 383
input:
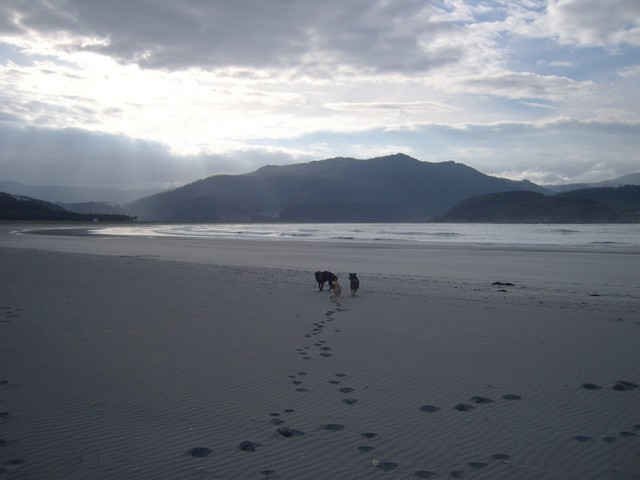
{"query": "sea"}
pixel 624 235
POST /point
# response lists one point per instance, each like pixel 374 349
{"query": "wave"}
pixel 343 237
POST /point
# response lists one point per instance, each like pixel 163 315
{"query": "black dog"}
pixel 322 277
pixel 354 283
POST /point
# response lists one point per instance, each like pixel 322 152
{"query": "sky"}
pixel 157 93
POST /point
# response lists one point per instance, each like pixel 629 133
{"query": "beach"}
pixel 132 357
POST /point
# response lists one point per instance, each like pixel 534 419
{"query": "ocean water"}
pixel 471 233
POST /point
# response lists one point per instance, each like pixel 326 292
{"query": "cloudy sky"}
pixel 160 92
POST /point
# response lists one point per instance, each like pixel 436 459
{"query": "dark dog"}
pixel 354 283
pixel 322 277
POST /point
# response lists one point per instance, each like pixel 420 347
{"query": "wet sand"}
pixel 161 358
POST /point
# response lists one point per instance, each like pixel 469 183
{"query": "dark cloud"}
pixel 42 156
pixel 378 36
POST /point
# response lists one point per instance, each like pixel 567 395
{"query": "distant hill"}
pixel 15 207
pixel 390 188
pixel 593 205
pixel 74 194
pixel 94 207
pixel 631 179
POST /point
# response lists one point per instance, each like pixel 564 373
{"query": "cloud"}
pixel 378 35
pixel 41 156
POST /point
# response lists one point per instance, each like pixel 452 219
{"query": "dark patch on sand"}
pixel 609 439
pixel 369 435
pixel 248 446
pixel 463 407
pixel 297 382
pixel 456 473
pixel 274 414
pixel 512 396
pixel 350 401
pixel 429 408
pixel 325 354
pixel 591 386
pixel 333 427
pixel 387 466
pixel 500 456
pixel 276 421
pixel 477 465
pixel 289 410
pixel 268 473
pixel 302 389
pixel 335 382
pixel 582 438
pixel 345 390
pixel 628 434
pixel 365 448
pixel 341 375
pixel 624 386
pixel 503 284
pixel 199 452
pixel 481 400
pixel 302 373
pixel 4 414
pixel 289 432
pixel 424 474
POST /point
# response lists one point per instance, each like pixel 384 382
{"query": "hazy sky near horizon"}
pixel 159 93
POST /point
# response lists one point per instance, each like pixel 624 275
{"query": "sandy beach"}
pixel 203 359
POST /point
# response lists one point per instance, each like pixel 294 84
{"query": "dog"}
pixel 322 277
pixel 336 291
pixel 354 282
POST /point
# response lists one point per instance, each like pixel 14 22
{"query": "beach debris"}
pixel 624 386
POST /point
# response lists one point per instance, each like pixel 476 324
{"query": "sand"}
pixel 162 358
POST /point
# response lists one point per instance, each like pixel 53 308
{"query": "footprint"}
pixel 289 410
pixel 274 414
pixel 365 448
pixel 591 386
pixel 346 390
pixel 335 382
pixel 386 466
pixel 481 400
pixel 582 438
pixel 512 396
pixel 325 354
pixel 269 473
pixel 302 373
pixel 464 407
pixel 609 439
pixel 429 408
pixel 302 389
pixel 369 435
pixel 289 432
pixel 477 465
pixel 628 434
pixel 4 414
pixel 500 456
pixel 456 473
pixel 636 427
pixel 276 421
pixel 333 427
pixel 199 452
pixel 297 382
pixel 248 446
pixel 341 375
pixel 350 401
pixel 424 474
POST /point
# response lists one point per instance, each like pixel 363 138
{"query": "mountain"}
pixel 592 205
pixel 15 207
pixel 94 207
pixel 631 179
pixel 74 194
pixel 390 188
